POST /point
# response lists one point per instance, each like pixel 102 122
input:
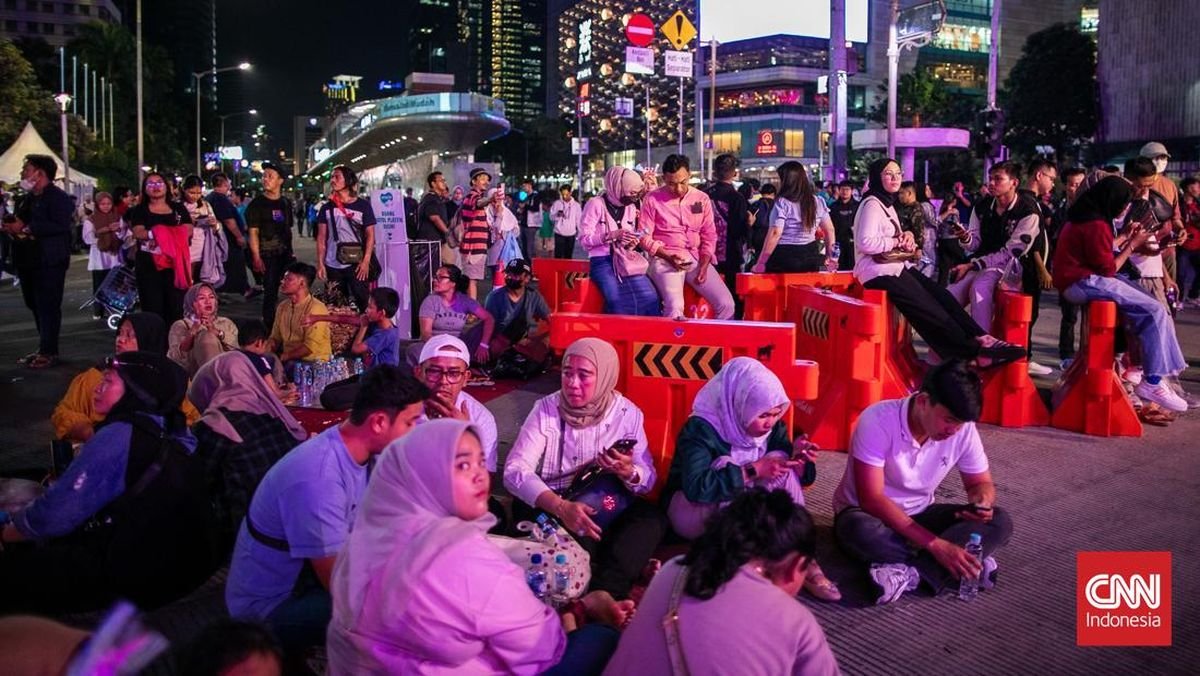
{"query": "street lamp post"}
pixel 63 100
pixel 252 111
pixel 196 78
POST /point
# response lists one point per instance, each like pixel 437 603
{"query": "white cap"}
pixel 445 346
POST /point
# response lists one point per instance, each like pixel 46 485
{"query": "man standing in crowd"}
pixel 410 213
pixel 566 214
pixel 303 509
pixel 1035 275
pixel 1164 186
pixel 519 311
pixel 269 219
pixel 444 367
pixel 226 215
pixel 292 339
pixel 884 506
pixel 432 221
pixel 41 252
pixel 963 202
pixel 842 212
pixel 474 245
pixel 528 205
pixel 731 216
pixel 1071 179
pixel 678 220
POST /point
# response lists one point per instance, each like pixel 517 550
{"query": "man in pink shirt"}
pixel 682 240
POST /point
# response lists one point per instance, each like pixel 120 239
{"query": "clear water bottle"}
pixel 306 384
pixel 1173 300
pixel 358 366
pixel 968 587
pixel 837 251
pixel 535 577
pixel 560 586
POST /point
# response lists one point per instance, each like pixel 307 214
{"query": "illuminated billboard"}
pixel 729 21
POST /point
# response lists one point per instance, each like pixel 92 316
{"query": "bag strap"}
pixel 278 544
pixel 670 625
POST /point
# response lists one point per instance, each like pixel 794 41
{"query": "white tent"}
pixel 30 143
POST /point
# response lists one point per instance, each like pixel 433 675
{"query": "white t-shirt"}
pixel 911 471
pixel 1149 267
pixel 566 216
pixel 482 418
pixel 786 216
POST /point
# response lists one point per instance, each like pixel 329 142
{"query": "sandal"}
pixel 42 361
pixel 28 358
pixel 821 587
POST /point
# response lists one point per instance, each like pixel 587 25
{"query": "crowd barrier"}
pixel 1010 399
pixel 1089 398
pixel 901 369
pixel 567 287
pixel 764 296
pixel 665 362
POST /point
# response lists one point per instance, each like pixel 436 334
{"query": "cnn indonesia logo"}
pixel 1123 598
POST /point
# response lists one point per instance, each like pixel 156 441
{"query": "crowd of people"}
pixel 381 538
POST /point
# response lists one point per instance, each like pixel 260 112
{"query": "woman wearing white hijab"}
pixel 503 225
pixel 735 439
pixel 420 589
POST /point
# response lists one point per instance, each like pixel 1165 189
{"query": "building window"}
pixel 48 29
pixel 68 29
pixel 793 143
pixel 48 7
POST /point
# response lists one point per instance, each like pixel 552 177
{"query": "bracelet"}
pixel 484 345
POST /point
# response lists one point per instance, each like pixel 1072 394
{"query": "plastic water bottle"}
pixel 306 384
pixel 358 366
pixel 535 577
pixel 837 251
pixel 1173 300
pixel 968 587
pixel 560 587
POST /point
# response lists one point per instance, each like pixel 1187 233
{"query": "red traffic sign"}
pixel 640 30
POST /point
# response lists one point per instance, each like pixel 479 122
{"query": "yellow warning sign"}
pixel 815 323
pixel 682 362
pixel 679 30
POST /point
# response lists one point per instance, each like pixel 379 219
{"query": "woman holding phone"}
pixel 588 425
pixel 736 439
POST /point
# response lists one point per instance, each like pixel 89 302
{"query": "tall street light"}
pixel 64 100
pixel 196 78
pixel 252 111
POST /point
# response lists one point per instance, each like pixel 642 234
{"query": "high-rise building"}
pixel 445 38
pixel 55 22
pixel 515 56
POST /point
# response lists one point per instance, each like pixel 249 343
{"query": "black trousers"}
pixel 1066 328
pixel 564 247
pixel 271 279
pixel 528 243
pixel 156 289
pixel 624 548
pixel 98 279
pixel 351 286
pixel 236 280
pixel 933 313
pixel 42 290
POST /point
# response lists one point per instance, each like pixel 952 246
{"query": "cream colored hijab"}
pixel 603 356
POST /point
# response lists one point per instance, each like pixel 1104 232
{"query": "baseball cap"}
pixel 518 266
pixel 1154 149
pixel 480 170
pixel 445 346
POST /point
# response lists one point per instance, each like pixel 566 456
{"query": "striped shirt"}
pixel 475 224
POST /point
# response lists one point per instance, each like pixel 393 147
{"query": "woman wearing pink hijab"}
pixel 609 231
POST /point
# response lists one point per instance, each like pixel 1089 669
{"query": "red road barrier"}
pixel 1089 398
pixel 665 362
pixel 1010 399
pixel 557 278
pixel 902 371
pixel 764 295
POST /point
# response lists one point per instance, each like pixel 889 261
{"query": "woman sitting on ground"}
pixel 447 311
pixel 130 517
pixel 201 334
pixel 244 429
pixel 589 423
pixel 75 417
pixel 792 244
pixel 419 588
pixel 732 598
pixel 883 253
pixel 735 439
pixel 610 222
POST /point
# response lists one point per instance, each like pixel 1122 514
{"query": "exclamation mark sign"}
pixel 678 28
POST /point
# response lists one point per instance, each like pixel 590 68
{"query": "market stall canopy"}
pixel 30 143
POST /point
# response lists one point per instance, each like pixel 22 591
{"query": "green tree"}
pixel 21 98
pixel 926 101
pixel 1050 95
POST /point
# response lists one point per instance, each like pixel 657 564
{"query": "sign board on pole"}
pixel 679 30
pixel 623 107
pixel 584 108
pixel 639 60
pixel 579 145
pixel 391 249
pixel 640 30
pixel 677 64
pixel 388 205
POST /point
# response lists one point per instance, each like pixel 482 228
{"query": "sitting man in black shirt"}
pixel 522 314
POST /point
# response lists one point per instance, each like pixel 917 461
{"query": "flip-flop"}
pixel 822 588
pixel 42 361
pixel 28 358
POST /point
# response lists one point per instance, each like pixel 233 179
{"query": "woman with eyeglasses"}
pixel 202 334
pixel 883 251
pixel 162 230
pixel 448 312
pixel 608 231
pixel 130 518
pixel 729 605
pixel 587 425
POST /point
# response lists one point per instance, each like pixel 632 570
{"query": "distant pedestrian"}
pixel 269 218
pixel 565 213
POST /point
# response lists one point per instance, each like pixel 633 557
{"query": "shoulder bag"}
pixel 626 262
pixel 351 253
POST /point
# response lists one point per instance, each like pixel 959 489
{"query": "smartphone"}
pixel 625 446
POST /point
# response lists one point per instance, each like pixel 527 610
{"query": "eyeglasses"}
pixel 442 277
pixel 893 174
pixel 115 362
pixel 449 375
pixel 155 184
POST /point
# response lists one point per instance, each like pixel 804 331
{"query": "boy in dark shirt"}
pixel 269 219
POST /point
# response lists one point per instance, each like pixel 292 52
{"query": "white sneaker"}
pixel 1036 369
pixel 1163 395
pixel 1133 375
pixel 893 579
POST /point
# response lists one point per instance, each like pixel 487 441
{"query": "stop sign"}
pixel 640 30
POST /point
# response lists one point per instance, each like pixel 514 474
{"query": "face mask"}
pixel 512 284
pixel 629 199
pixel 28 184
pixel 1160 165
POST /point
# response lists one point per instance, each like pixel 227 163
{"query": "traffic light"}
pixel 989 133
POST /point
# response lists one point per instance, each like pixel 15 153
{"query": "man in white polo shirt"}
pixel 901 451
pixel 445 368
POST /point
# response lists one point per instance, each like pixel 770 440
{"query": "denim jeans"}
pixel 588 650
pixel 632 296
pixel 300 622
pixel 1144 316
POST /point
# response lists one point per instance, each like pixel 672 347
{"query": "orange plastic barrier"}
pixel 764 296
pixel 1090 398
pixel 846 337
pixel 557 279
pixel 586 298
pixel 1010 399
pixel 902 371
pixel 665 362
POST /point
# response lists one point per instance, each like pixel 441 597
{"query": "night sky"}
pixel 297 45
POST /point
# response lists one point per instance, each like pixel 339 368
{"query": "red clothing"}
pixel 173 243
pixel 1084 249
pixel 475 225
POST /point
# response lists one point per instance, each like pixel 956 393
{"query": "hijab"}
pixel 229 382
pixel 101 219
pixel 619 182
pixel 151 331
pixel 603 356
pixel 189 300
pixel 741 391
pixel 406 520
pixel 1102 201
pixel 153 385
pixel 875 181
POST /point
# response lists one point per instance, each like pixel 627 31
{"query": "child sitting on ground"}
pixel 378 337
